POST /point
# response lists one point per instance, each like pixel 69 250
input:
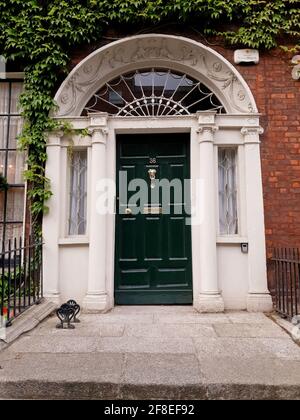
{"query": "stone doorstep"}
pixel 42 390
pixel 26 322
pixel 110 375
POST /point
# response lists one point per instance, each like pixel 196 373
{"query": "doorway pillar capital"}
pixel 206 127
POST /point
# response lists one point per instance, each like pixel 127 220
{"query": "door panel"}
pixel 177 245
pixel 153 229
pixel 128 248
pixel 153 247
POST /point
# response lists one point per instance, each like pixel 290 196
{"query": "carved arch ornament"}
pixel 163 51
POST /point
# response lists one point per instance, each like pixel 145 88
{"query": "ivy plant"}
pixel 3 183
pixel 42 34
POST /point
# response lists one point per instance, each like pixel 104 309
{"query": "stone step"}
pixel 153 355
pixel 45 390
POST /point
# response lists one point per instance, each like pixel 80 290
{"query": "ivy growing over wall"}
pixel 3 183
pixel 41 33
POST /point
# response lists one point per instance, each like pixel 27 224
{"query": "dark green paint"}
pixel 153 252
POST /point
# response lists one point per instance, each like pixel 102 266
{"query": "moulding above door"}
pixel 161 51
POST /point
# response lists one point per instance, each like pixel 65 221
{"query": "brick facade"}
pixel 278 100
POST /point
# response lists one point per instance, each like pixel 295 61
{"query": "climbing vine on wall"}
pixel 3 183
pixel 41 33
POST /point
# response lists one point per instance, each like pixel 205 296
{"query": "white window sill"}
pixel 74 240
pixel 231 239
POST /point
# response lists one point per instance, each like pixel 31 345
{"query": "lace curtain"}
pixel 12 161
pixel 78 193
pixel 228 215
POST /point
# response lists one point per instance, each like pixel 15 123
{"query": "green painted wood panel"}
pixel 153 251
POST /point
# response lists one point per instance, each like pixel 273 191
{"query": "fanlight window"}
pixel 151 93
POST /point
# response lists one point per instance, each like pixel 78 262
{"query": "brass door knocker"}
pixel 152 176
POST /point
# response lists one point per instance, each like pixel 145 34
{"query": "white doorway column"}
pixel 96 299
pixel 258 299
pixel 51 221
pixel 209 299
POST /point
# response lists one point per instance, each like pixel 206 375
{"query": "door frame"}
pixel 140 125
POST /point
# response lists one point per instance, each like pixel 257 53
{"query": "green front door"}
pixel 153 244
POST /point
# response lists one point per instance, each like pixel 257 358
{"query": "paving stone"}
pixel 169 330
pixel 194 318
pixel 154 353
pixel 281 348
pixel 146 345
pixel 112 330
pixel 57 344
pixel 63 367
pixel 250 330
pixel 250 370
pixel 211 391
pixel 132 309
pixel 84 329
pixel 2 346
pixel 7 355
pixel 59 390
pixel 243 348
pixel 141 369
pixel 112 318
pixel 249 318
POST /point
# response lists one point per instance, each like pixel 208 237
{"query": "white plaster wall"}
pixel 233 283
pixel 233 275
pixel 73 272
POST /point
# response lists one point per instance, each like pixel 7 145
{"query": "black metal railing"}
pixel 284 281
pixel 21 284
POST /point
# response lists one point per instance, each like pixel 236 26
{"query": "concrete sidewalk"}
pixel 154 352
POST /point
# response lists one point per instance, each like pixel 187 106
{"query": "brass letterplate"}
pixel 152 210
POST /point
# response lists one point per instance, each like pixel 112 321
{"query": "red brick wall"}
pixel 278 100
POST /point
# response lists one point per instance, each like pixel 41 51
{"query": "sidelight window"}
pixel 228 214
pixel 78 193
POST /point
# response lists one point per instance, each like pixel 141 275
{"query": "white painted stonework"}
pixel 82 267
pixel 162 51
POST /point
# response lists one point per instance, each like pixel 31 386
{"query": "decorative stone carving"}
pixel 206 118
pixel 155 51
pixel 206 133
pixel 99 120
pixel 251 134
pixel 296 72
pixel 99 135
pixel 296 68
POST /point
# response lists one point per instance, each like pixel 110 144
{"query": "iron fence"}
pixel 21 284
pixel 284 280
